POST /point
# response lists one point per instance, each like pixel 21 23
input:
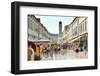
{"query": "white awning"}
pixel 40 41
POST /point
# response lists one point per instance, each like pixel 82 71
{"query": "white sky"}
pixel 52 22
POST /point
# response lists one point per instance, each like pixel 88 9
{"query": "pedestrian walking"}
pixel 30 52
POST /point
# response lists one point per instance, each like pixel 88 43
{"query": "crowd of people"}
pixel 36 51
pixel 76 47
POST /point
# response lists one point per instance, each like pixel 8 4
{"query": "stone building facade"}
pixel 36 30
pixel 76 32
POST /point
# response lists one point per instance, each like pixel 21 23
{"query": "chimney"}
pixel 38 19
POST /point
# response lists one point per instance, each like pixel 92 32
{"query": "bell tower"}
pixel 60 28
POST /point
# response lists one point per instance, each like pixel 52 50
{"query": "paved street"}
pixel 66 54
